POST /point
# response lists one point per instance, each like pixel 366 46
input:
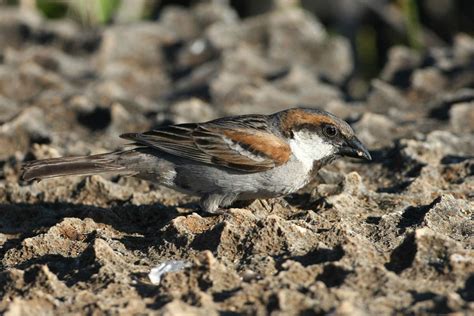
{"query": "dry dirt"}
pixel 393 236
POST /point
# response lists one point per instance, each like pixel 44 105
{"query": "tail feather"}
pixel 66 166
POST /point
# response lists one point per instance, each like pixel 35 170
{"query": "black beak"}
pixel 354 148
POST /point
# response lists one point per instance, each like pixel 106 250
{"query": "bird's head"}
pixel 316 135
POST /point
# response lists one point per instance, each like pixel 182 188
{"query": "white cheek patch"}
pixel 309 147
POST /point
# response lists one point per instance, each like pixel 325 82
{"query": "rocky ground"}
pixel 395 235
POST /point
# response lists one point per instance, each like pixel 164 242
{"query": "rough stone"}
pixel 393 235
pixel 462 117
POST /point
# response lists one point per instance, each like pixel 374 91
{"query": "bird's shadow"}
pixel 140 225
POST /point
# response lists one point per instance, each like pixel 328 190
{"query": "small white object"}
pixel 198 47
pixel 168 266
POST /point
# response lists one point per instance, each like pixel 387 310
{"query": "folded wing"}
pixel 245 143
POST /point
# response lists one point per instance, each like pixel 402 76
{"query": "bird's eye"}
pixel 330 131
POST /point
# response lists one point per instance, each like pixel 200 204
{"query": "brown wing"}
pixel 242 143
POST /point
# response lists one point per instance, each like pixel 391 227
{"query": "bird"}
pixel 223 161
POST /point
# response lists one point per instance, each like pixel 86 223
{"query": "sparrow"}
pixel 230 159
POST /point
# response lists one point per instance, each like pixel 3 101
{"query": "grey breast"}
pixel 202 178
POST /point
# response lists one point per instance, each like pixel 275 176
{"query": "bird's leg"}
pixel 215 203
pixel 210 204
pixel 283 202
pixel 269 204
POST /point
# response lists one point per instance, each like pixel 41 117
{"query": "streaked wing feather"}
pixel 244 143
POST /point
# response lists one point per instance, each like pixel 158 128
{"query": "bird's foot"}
pixel 276 203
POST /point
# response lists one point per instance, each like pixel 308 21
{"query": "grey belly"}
pixel 204 179
pixel 199 179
